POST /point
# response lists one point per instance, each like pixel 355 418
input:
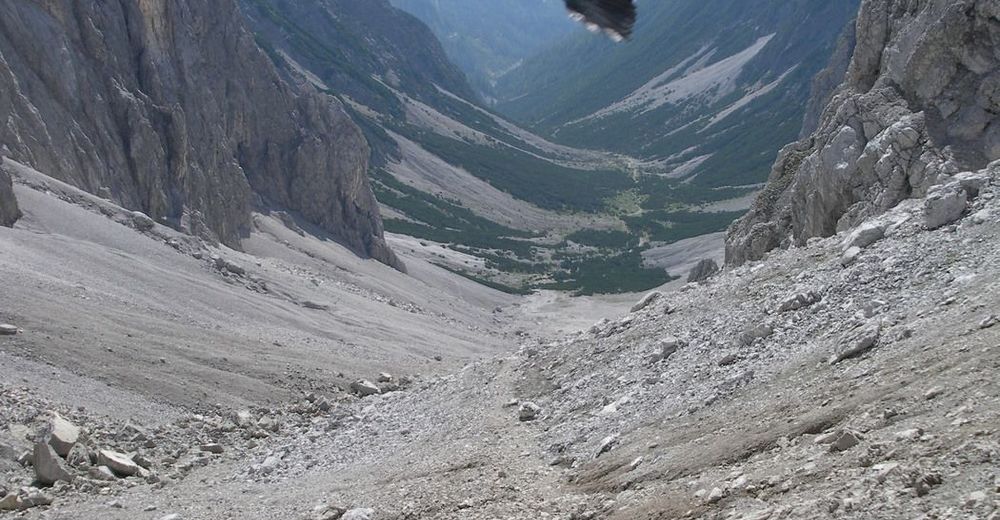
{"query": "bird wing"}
pixel 615 17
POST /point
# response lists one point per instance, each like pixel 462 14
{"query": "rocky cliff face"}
pixel 9 212
pixel 920 102
pixel 170 107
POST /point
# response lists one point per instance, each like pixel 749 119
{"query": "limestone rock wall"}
pixel 171 108
pixel 920 101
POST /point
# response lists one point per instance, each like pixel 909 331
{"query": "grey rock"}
pixel 845 441
pixel 142 221
pixel 976 498
pixel 850 256
pixel 146 139
pixel 78 456
pixel 989 321
pixel 62 434
pixel 607 444
pixel 702 271
pixel 243 418
pixel 9 211
pixel 119 463
pixel 913 434
pixel 728 359
pixel 329 513
pixel 669 346
pixel 234 268
pixel 753 333
pixel 142 461
pixel 827 438
pixel 7 453
pixel 212 448
pixel 49 468
pixel 365 388
pixel 359 514
pixel 981 217
pixel 715 496
pixel 944 205
pixel 934 393
pixel 316 306
pixel 173 516
pixel 646 301
pixel 857 343
pixel 922 483
pixel 7 329
pixel 528 411
pixel 865 235
pixel 800 301
pixel 32 497
pixel 10 502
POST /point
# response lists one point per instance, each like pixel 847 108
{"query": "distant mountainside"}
pixel 362 50
pixel 170 108
pixel 708 90
pixel 453 174
pixel 488 38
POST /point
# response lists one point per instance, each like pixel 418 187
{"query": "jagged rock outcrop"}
pixel 920 102
pixel 9 212
pixel 173 109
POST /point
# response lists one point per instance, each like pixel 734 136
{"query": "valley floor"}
pixel 792 388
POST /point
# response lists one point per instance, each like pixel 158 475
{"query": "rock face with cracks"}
pixel 920 102
pixel 171 108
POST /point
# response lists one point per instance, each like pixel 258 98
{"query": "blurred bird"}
pixel 614 17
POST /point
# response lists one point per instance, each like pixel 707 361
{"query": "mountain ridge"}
pixel 671 96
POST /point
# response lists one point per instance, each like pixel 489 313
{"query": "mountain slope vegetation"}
pixel 709 90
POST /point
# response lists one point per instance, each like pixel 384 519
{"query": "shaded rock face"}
pixel 703 270
pixel 9 212
pixel 174 109
pixel 920 101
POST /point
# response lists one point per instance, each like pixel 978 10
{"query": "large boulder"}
pixel 49 468
pixel 62 434
pixel 9 212
pixel 703 270
pixel 119 463
pixel 359 514
pixel 944 205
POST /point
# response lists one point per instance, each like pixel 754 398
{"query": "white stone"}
pixel 359 514
pixel 365 388
pixel 850 256
pixel 944 205
pixel 865 235
pixel 119 463
pixel 63 434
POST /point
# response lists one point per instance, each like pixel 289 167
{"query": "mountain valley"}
pixel 413 259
